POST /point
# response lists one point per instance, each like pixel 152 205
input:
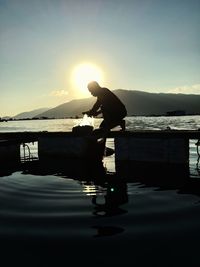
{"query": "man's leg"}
pixel 123 125
pixel 110 124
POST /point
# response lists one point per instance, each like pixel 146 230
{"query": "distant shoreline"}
pixel 79 117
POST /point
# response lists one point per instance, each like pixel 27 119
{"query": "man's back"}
pixel 111 105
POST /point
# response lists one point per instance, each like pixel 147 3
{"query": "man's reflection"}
pixel 107 230
pixel 116 195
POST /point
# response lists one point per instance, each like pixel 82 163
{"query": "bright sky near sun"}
pixel 50 49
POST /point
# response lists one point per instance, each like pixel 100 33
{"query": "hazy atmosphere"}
pixel 50 49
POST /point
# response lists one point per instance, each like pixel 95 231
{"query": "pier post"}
pixel 69 147
pixel 158 150
pixel 154 156
pixel 9 153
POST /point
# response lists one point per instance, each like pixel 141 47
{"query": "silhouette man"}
pixel 113 110
pixel 116 195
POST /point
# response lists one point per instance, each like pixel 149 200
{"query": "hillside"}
pixel 69 109
pixel 30 114
pixel 137 103
pixel 143 103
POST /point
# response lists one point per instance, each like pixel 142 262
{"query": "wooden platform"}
pixel 148 149
pixel 24 137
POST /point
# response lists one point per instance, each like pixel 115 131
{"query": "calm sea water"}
pixel 79 214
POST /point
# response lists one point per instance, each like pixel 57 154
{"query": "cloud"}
pixel 59 93
pixel 186 89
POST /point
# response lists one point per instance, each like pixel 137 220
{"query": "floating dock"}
pixel 148 146
pixel 161 156
pixel 33 136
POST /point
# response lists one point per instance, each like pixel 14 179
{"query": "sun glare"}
pixel 83 74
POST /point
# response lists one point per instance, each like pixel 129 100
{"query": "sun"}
pixel 83 73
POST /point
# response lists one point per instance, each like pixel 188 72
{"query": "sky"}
pixel 147 45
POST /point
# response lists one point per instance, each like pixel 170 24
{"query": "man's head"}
pixel 94 88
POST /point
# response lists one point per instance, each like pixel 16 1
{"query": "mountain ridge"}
pixel 138 103
pixel 30 114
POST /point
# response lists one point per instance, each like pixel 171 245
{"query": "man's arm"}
pixel 94 111
pixel 96 106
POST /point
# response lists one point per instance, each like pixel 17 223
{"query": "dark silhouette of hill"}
pixel 137 103
pixel 143 103
pixel 30 114
pixel 69 109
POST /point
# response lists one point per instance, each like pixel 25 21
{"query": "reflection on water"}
pixel 103 231
pixel 116 195
pixel 44 193
pixel 198 155
pixel 64 208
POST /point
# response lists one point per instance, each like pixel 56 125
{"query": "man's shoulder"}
pixel 105 89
